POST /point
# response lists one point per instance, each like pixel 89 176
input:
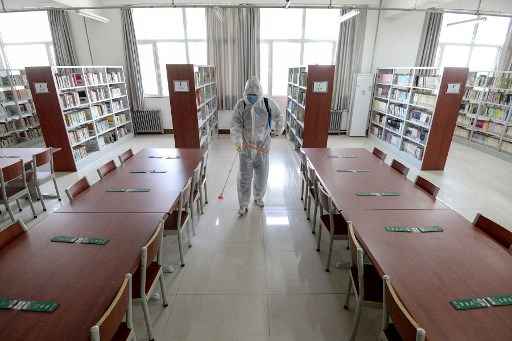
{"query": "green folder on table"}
pixel 398 229
pixel 469 303
pixel 6 303
pixel 154 171
pixel 389 194
pixel 499 300
pixel 367 194
pixel 64 239
pixel 138 172
pixel 92 240
pixel 116 190
pixel 39 306
pixel 352 171
pixel 429 229
pixel 137 190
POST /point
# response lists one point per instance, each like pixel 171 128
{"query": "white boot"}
pixel 259 202
pixel 242 211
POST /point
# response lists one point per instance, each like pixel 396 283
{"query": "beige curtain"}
pixel 429 39
pixel 233 45
pixel 61 35
pixel 131 60
pixel 505 61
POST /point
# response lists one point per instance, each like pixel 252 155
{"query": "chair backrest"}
pixel 78 187
pixel 12 172
pixel 149 253
pixel 44 158
pixel 427 186
pixel 497 232
pixel 196 181
pixel 403 322
pixel 11 232
pixel 106 168
pixel 357 259
pixel 400 167
pixel 185 195
pixel 125 155
pixel 379 153
pixel 121 306
pixel 325 201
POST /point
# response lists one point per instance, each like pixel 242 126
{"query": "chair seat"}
pixel 391 333
pixel 372 283
pixel 172 221
pixel 122 333
pixel 151 273
pixel 340 224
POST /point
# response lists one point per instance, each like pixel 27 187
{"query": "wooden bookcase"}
pixel 19 122
pixel 193 99
pixel 309 105
pixel 414 112
pixel 83 110
pixel 485 116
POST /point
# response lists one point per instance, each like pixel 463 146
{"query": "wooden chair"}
pixel 400 167
pixel 149 275
pixel 40 175
pixel 303 175
pixel 78 187
pixel 497 232
pixel 427 186
pixel 203 188
pixel 13 180
pixel 195 197
pixel 332 220
pixel 106 169
pixel 364 281
pixel 379 153
pixel 403 327
pixel 111 325
pixel 179 217
pixel 125 156
pixel 11 232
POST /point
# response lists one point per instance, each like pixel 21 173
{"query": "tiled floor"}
pixel 259 277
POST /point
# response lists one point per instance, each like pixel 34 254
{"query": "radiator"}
pixel 147 121
pixel 339 122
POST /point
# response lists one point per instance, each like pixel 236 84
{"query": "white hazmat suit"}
pixel 250 131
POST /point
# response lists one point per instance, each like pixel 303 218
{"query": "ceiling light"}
pixel 348 15
pixel 466 21
pixel 92 16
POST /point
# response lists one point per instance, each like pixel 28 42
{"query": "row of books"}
pixel 80 152
pixel 502 81
pixel 471 94
pixel 430 82
pixel 107 138
pixel 495 113
pixel 412 149
pixel 489 127
pixel 72 99
pixel 424 100
pixel 379 105
pixel 378 118
pixel 394 124
pixel 392 139
pixel 100 109
pixel 382 91
pixel 15 80
pixel 497 97
pixel 98 94
pixel 116 92
pixel 104 125
pixel 403 79
pixel 69 80
pixel 397 110
pixel 76 117
pixel 94 78
pixel 416 133
pixel 400 95
pixel 79 135
pixel 297 76
pixel 118 105
pixel 122 131
pixel 115 76
pixel 121 118
pixel 420 116
pixel 204 75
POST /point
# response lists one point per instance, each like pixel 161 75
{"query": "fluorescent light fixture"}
pixel 287 3
pixel 467 21
pixel 92 16
pixel 348 15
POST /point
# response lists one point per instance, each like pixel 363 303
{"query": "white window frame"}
pixel 302 40
pixel 156 57
pixel 4 61
pixel 471 45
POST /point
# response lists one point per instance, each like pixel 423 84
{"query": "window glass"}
pixel 483 58
pixel 197 53
pixel 264 51
pixel 170 53
pixel 158 23
pixel 20 56
pixel 454 55
pixel 492 31
pixel 322 24
pixel 147 69
pixel 318 53
pixel 19 27
pixel 284 56
pixel 281 23
pixel 196 23
pixel 461 33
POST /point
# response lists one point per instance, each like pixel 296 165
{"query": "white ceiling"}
pixel 487 5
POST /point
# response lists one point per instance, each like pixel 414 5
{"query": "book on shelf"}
pixel 413 149
pixel 416 133
pixel 403 79
pixel 420 116
pixel 424 100
pixel 379 105
pixel 397 110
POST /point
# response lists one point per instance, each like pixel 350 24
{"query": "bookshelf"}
pixel 193 99
pixel 19 122
pixel 309 105
pixel 83 110
pixel 414 112
pixel 485 116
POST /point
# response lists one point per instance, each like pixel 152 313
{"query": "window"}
pixel 168 36
pixel 291 37
pixel 22 45
pixel 475 44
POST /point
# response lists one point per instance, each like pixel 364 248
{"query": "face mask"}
pixel 252 98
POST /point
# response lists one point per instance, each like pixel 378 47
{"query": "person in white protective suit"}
pixel 254 118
